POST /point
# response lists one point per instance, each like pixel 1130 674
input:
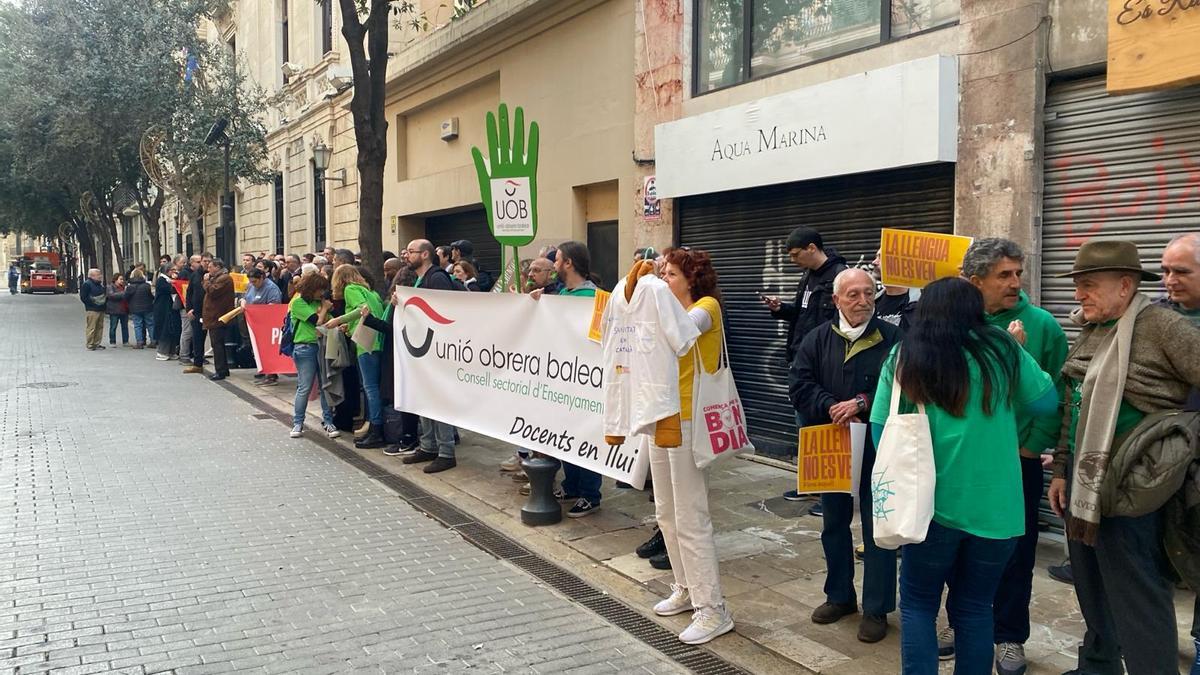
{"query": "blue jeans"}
pixel 879 573
pixel 369 364
pixel 1011 610
pixel 143 326
pixel 971 566
pixel 308 370
pixel 437 437
pixel 115 320
pixel 581 482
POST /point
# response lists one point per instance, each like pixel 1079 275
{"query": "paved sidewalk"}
pixel 772 565
pixel 153 523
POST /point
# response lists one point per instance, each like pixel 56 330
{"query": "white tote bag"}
pixel 718 418
pixel 903 478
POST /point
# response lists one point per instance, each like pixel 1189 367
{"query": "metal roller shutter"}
pixel 745 230
pixel 469 225
pixel 1116 167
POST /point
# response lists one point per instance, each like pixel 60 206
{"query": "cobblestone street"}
pixel 152 523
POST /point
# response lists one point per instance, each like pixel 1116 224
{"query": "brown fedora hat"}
pixel 1108 256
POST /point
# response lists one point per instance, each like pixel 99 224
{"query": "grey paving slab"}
pixel 150 523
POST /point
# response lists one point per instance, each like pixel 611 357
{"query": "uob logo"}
pixel 419 351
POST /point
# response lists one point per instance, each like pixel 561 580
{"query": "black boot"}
pixel 653 547
pixel 661 561
pixel 373 439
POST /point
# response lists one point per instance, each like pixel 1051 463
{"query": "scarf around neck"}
pixel 1103 386
pixel 851 334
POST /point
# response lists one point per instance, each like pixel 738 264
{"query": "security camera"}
pixel 291 69
pixel 339 76
pixel 217 133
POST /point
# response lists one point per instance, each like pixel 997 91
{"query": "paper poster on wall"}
pixel 916 259
pixel 829 458
pixel 651 207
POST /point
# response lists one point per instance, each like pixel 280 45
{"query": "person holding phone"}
pixel 813 304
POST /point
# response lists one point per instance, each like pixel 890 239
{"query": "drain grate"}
pixel 557 578
pixel 505 548
pixel 46 385
pixel 445 512
pixel 492 541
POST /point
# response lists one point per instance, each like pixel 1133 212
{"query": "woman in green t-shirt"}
pixel 307 310
pixel 350 286
pixel 973 379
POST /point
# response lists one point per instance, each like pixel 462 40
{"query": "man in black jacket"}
pixel 831 381
pixel 465 250
pixel 813 305
pixel 95 300
pixel 437 438
pixel 195 307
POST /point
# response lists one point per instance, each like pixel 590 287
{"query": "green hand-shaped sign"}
pixel 508 179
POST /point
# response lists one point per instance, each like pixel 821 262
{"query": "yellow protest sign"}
pixel 916 259
pixel 598 305
pixel 829 458
pixel 240 282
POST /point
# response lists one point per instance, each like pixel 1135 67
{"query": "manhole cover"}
pixel 46 385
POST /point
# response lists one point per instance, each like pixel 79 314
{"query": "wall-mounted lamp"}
pixel 321 155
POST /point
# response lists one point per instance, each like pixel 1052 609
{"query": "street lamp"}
pixel 321 156
pixel 217 136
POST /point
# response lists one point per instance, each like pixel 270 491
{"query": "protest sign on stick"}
pixel 916 259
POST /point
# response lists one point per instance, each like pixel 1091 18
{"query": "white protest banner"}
pixel 510 367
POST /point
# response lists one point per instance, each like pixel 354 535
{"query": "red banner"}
pixel 181 288
pixel 266 330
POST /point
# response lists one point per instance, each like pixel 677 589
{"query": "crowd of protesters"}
pixel 1004 392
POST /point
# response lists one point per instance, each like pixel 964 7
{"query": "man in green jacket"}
pixel 995 266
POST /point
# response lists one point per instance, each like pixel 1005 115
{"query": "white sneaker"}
pixel 707 624
pixel 511 464
pixel 679 602
pixel 161 357
pixel 331 431
pixel 297 431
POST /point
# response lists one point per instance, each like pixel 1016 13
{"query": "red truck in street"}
pixel 41 273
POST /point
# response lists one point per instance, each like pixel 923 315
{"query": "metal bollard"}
pixel 541 508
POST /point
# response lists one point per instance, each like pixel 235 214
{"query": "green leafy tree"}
pixel 83 83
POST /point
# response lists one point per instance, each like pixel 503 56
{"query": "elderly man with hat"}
pixel 1131 359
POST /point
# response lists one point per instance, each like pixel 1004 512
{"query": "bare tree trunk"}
pixel 152 211
pixel 192 213
pixel 368 64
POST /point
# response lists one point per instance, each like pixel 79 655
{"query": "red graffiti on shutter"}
pixel 1092 191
